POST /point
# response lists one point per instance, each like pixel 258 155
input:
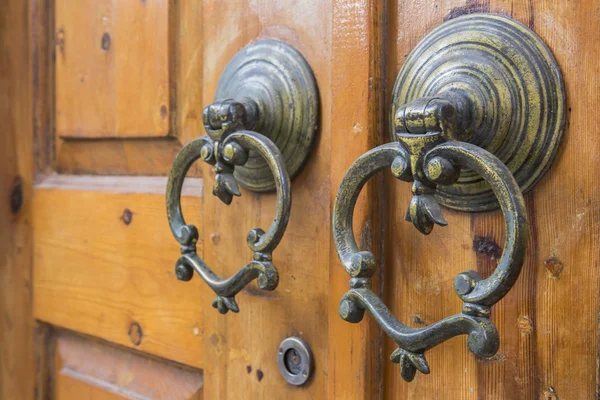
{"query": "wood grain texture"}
pixel 189 63
pixel 118 184
pixel 43 80
pixel 17 369
pixel 45 360
pixel 112 68
pixel 89 369
pixel 548 323
pixel 357 124
pixel 118 156
pixel 241 349
pixel 104 266
pixel 148 156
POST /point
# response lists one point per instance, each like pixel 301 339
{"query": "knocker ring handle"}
pixel 477 293
pixel 477 115
pixel 260 131
pixel 260 242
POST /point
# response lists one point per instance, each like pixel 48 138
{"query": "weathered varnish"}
pixel 548 323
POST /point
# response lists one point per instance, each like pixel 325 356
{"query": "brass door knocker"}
pixel 477 115
pixel 267 87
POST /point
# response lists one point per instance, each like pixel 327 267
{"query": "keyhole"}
pixel 292 361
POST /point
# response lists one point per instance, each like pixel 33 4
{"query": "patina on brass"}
pixel 266 95
pixel 276 82
pixel 504 89
pixel 467 88
pixel 428 160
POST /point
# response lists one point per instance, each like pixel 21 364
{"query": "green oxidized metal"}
pixel 267 87
pixel 480 99
pixel 278 83
pixel 508 94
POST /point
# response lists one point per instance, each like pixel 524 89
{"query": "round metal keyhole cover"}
pixel 294 359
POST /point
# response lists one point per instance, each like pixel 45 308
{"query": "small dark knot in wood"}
pixel 487 247
pixel 127 216
pixel 16 195
pixel 554 266
pixel 135 333
pixel 105 43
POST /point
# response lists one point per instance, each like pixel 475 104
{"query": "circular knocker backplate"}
pixel 516 90
pixel 279 80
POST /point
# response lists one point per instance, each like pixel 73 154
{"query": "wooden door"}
pixel 113 90
pixel 97 98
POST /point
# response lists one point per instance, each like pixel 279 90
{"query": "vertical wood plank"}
pixel 241 349
pixel 42 60
pixel 358 120
pixel 16 179
pixel 44 346
pixel 189 63
pixel 566 209
pixel 548 322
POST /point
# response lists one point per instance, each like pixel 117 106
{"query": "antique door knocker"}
pixel 267 87
pixel 477 115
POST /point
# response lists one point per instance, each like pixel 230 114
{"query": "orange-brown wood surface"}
pixel 548 323
pixel 241 349
pixel 105 119
pixel 103 267
pixel 17 368
pixel 101 275
pixel 89 369
pixel 112 68
pixel 357 120
pixel 143 150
